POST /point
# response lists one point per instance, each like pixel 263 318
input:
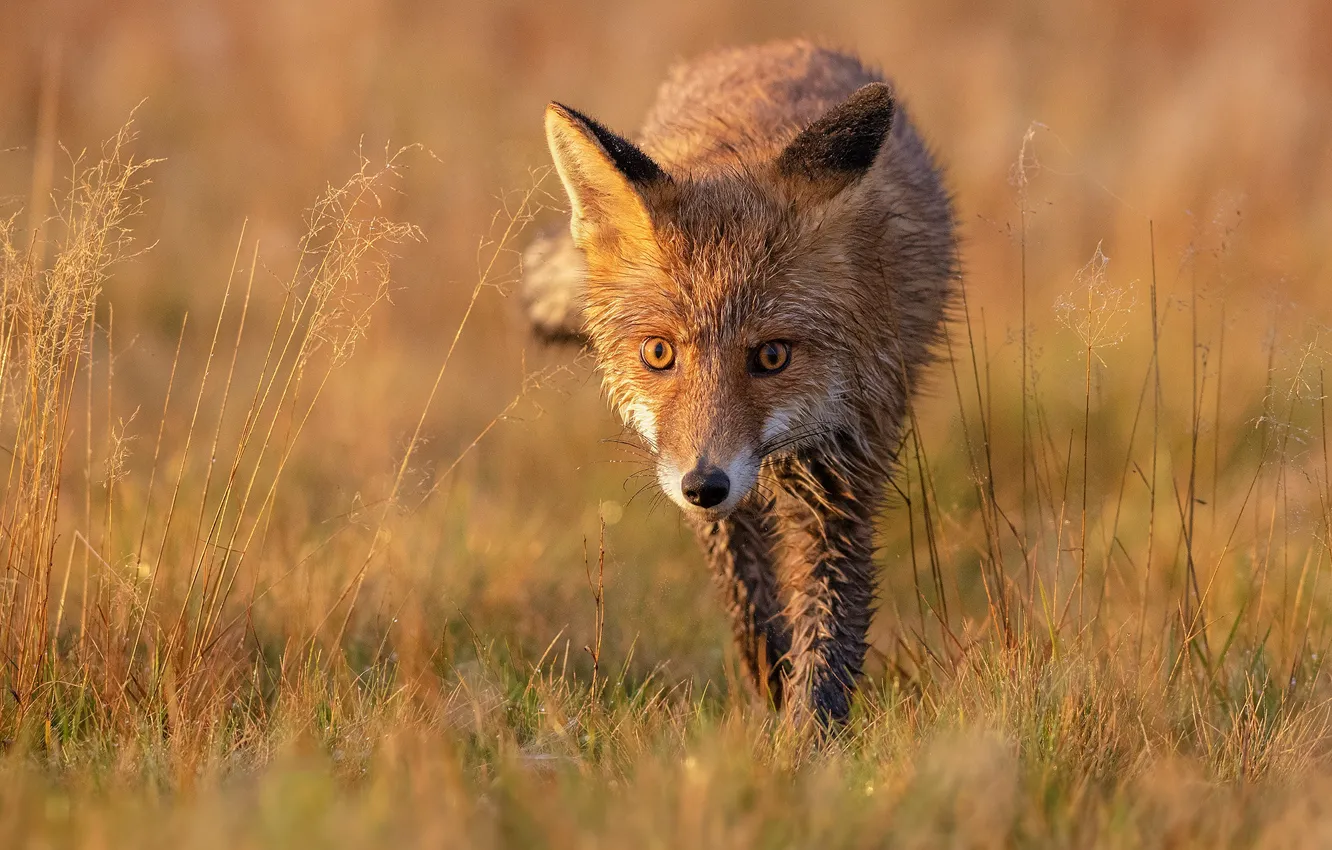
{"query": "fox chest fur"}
pixel 762 274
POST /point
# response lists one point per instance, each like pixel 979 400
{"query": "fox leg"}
pixel 739 551
pixel 825 518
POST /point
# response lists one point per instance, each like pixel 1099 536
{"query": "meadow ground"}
pixel 304 543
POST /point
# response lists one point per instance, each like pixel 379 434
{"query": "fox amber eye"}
pixel 770 358
pixel 658 354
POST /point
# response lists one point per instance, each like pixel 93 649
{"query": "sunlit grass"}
pixel 274 577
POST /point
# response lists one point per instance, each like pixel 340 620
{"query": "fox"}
pixel 762 276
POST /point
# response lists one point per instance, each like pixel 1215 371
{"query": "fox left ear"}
pixel 605 176
pixel 843 144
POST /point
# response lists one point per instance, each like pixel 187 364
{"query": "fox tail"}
pixel 551 290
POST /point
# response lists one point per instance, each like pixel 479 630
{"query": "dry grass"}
pixel 302 544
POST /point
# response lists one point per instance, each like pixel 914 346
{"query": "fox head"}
pixel 727 305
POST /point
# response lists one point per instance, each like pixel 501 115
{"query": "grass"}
pixel 294 555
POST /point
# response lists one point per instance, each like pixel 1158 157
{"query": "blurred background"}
pixel 1064 124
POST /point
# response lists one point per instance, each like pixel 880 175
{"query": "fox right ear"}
pixel 841 146
pixel 603 174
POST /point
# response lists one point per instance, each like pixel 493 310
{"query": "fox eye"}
pixel 658 354
pixel 770 358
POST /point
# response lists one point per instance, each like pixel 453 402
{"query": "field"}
pixel 304 542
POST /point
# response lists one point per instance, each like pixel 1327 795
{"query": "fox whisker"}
pixel 634 447
pixel 639 492
pixel 799 434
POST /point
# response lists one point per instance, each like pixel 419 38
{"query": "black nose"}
pixel 706 487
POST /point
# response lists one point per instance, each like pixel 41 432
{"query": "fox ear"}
pixel 843 144
pixel 604 175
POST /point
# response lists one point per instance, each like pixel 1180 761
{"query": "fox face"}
pixel 715 389
pixel 728 308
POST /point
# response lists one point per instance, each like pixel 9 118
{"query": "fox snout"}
pixel 701 486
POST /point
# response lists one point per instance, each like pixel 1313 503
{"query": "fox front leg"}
pixel 739 552
pixel 825 515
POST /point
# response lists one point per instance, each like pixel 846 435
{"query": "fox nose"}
pixel 706 486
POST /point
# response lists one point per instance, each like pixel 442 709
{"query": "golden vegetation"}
pixel 302 543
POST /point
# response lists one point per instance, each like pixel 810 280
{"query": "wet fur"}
pixel 772 188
